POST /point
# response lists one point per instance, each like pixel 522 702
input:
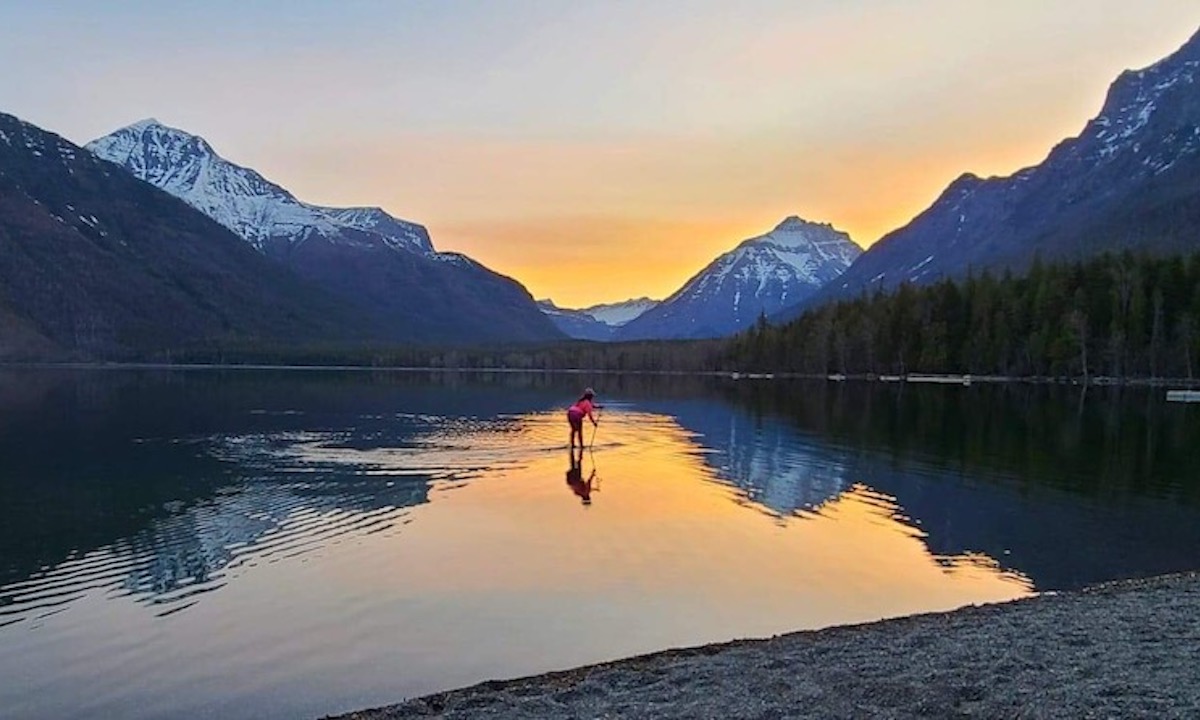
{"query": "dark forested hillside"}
pixel 1129 181
pixel 95 263
pixel 1118 316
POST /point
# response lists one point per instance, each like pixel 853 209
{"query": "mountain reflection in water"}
pixel 284 527
pixel 1067 489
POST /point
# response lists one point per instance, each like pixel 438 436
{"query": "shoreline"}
pixel 910 378
pixel 1122 649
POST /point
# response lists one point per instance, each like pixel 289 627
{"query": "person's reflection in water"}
pixel 581 487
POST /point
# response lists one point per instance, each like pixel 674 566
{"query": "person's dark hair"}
pixel 587 395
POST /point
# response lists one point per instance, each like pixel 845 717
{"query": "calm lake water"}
pixel 296 543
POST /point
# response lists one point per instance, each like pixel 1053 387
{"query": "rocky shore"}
pixel 1129 649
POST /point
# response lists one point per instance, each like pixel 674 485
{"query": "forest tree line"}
pixel 1120 316
pixel 1117 316
pixel 661 356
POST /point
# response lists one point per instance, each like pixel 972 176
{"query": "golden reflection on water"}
pixel 503 572
pixel 665 550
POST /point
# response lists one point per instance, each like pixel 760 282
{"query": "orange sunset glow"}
pixel 602 151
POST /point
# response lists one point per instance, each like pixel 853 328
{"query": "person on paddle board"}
pixel 576 413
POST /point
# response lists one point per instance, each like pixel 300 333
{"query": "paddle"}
pixel 595 426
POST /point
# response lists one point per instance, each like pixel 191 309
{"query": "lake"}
pixel 293 543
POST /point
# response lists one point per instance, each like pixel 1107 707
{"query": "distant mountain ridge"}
pixel 620 313
pixel 1130 180
pixel 97 264
pixel 598 322
pixel 762 275
pixel 386 267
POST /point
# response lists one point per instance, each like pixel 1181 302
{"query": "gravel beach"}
pixel 1128 649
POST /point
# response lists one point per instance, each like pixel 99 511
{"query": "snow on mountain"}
pixel 766 459
pixel 241 199
pixel 383 267
pixel 98 264
pixel 399 234
pixel 798 251
pixel 761 275
pixel 585 325
pixel 1127 181
pixel 1133 102
pixel 619 313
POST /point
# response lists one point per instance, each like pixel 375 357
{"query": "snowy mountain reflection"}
pixel 1067 489
pixel 163 486
pixel 213 529
pixel 192 547
pixel 777 467
pixel 193 550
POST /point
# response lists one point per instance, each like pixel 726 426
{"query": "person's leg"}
pixel 575 420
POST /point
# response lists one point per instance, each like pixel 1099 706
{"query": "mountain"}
pixel 761 275
pixel 575 323
pixel 385 267
pixel 620 313
pixel 598 322
pixel 1130 180
pixel 264 214
pixel 97 264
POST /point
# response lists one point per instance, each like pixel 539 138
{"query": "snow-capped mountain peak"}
pixel 145 123
pixel 796 232
pixel 598 322
pixel 383 268
pixel 619 313
pixel 241 199
pixel 761 275
pixel 795 222
pixel 149 142
pixel 816 253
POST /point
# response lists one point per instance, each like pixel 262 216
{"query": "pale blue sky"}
pixel 554 139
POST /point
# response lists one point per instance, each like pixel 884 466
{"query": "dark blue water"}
pixel 296 543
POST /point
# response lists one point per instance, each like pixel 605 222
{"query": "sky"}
pixel 595 150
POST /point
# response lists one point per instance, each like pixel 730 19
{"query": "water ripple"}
pixel 292 493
